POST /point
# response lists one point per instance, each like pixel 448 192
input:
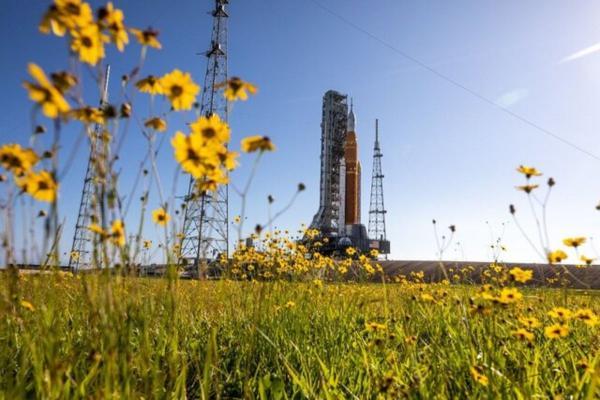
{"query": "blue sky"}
pixel 448 155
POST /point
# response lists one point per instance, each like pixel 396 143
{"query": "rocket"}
pixel 350 173
pixel 338 216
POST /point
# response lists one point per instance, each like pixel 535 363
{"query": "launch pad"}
pixel 338 218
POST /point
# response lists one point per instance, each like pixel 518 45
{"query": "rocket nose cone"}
pixel 351 122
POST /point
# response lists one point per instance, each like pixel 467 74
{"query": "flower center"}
pixel 73 8
pixel 176 90
pixel 192 155
pixel 43 185
pixel 209 132
pixel 86 42
pixel 235 84
pixel 148 35
pixel 11 161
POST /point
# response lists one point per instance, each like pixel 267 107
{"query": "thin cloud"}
pixel 511 98
pixel 582 53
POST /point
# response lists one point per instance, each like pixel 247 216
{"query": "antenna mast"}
pixel 206 220
pixel 377 209
pixel 80 256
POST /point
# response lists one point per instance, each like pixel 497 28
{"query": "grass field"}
pixel 285 322
pixel 103 336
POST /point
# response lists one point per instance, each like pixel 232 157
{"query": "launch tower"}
pixel 333 134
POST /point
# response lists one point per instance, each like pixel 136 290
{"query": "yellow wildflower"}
pixel 251 144
pixel 587 316
pixel 510 295
pixel 350 251
pixel 521 275
pixel 75 256
pixel 587 260
pixel 51 22
pixel 147 37
pixel 528 171
pixel 560 313
pixel 66 14
pixel 227 158
pixel 556 331
pixel 88 42
pixel 63 81
pixel 374 327
pixel 237 89
pixel 211 128
pixel 147 244
pixel 180 89
pixel 45 93
pixel 88 115
pixel 39 185
pixel 191 154
pixel 150 84
pixel 486 288
pixel 160 216
pixel 523 334
pixel 212 180
pixel 585 366
pixel 111 19
pixel 478 376
pixel 527 188
pixel 156 123
pixel 27 305
pixel 17 159
pixel 530 322
pixel 574 241
pixel 118 232
pixel 410 340
pixel 556 256
pixel 427 297
pixel 97 229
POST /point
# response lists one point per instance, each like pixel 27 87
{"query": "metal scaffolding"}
pixel 81 249
pixel 333 134
pixel 206 220
pixel 377 209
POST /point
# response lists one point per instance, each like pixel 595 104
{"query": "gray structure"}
pixel 333 134
pixel 377 209
pixel 206 216
pixel 338 217
pixel 82 247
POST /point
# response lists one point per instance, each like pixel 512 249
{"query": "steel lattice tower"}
pixel 334 124
pixel 376 208
pixel 206 219
pixel 81 251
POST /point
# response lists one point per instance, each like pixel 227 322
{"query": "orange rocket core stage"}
pixel 352 206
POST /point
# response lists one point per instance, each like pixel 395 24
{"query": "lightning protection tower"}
pixel 205 226
pixel 81 250
pixel 376 208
